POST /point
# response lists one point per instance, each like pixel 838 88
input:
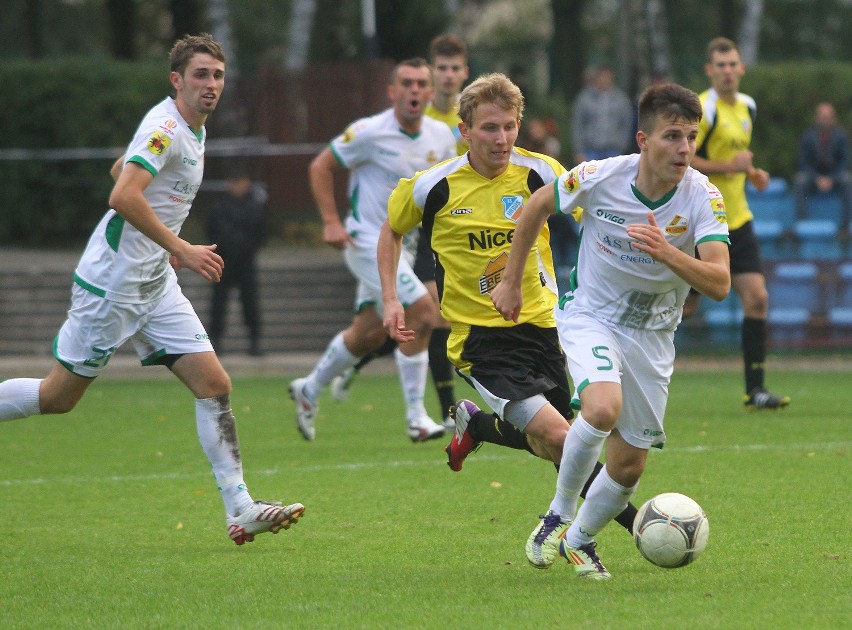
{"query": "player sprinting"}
pixel 643 217
pixel 126 289
pixel 377 151
pixel 469 207
pixel 448 57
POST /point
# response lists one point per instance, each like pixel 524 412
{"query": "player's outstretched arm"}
pixel 507 296
pixel 128 200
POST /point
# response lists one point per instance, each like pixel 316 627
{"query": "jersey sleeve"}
pixel 152 146
pixel 353 146
pixel 574 187
pixel 403 212
pixel 711 218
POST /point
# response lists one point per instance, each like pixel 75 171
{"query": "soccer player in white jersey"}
pixel 126 289
pixel 642 218
pixel 377 151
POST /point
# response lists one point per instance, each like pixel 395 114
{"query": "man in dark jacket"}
pixel 236 226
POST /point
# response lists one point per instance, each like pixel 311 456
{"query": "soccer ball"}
pixel 671 530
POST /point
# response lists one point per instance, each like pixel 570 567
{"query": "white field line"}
pixel 354 466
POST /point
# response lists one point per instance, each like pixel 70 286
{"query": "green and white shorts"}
pixel 96 327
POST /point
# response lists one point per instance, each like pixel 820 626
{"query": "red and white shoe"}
pixel 261 517
pixel 462 443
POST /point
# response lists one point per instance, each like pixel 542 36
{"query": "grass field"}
pixel 112 518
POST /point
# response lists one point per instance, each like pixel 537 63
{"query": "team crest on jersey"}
pixel 431 157
pixel 718 208
pixel 158 142
pixel 512 206
pixel 493 273
pixel 677 225
pixel 572 180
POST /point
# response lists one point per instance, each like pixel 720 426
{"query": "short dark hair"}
pixel 719 44
pixel 447 46
pixel 413 62
pixel 188 46
pixel 670 100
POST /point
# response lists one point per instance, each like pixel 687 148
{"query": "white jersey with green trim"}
pixel 614 280
pixel 378 154
pixel 119 262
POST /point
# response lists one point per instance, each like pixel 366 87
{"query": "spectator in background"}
pixel 823 163
pixel 602 120
pixel 236 225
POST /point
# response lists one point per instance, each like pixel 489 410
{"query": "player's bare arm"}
pixel 507 296
pixel 321 176
pixel 117 166
pixel 128 200
pixel 710 275
pixel 387 256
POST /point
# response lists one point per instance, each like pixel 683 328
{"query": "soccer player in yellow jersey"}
pixel 448 56
pixel 469 207
pixel 724 137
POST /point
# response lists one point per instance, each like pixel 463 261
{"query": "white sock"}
pixel 582 448
pixel 413 371
pixel 217 432
pixel 333 362
pixel 605 500
pixel 19 398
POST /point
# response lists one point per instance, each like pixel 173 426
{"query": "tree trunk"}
pixel 567 48
pixel 749 36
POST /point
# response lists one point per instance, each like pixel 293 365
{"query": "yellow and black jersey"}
pixel 450 119
pixel 724 131
pixel 469 221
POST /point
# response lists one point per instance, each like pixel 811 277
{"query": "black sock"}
pixel 442 369
pixel 487 427
pixel 754 352
pixel 387 348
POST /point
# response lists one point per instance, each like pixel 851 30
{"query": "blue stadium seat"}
pixel 824 206
pixel 776 202
pixel 793 287
pixel 770 234
pixel 818 239
pixel 842 294
pixel 773 207
pixel 777 186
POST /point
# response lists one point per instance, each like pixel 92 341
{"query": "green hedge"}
pixel 786 95
pixel 61 104
pixel 77 103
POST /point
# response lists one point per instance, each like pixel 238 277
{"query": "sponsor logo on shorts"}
pixel 652 433
pixel 201 337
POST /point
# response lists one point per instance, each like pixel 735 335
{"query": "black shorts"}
pixel 424 260
pixel 745 250
pixel 519 362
